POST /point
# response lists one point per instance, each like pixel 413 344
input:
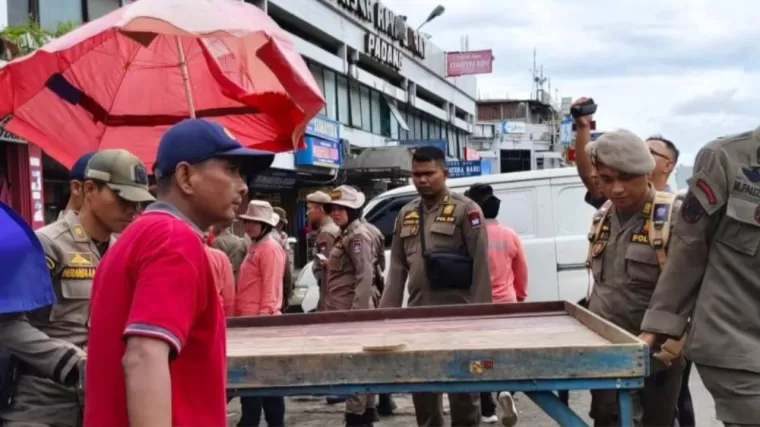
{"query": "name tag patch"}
pixel 411 218
pixel 640 238
pixel 446 219
pixel 78 273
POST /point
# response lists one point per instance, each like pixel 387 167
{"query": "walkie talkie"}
pixel 586 108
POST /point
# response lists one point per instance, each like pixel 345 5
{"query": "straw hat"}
pixel 348 197
pixel 261 211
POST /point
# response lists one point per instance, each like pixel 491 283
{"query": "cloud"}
pixel 688 69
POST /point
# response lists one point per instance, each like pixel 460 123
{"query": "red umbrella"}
pixel 122 80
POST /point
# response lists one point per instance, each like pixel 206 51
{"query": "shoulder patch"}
pixel 474 218
pixel 692 210
pixel 356 246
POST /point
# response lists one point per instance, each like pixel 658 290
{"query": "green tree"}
pixel 22 39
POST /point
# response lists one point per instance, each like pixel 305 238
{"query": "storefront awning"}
pixel 385 162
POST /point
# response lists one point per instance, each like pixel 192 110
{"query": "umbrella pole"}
pixel 186 77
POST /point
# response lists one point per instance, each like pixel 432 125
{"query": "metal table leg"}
pixel 555 408
pixel 625 400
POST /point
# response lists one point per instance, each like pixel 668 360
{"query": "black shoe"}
pixel 356 420
pixel 386 405
pixel 371 416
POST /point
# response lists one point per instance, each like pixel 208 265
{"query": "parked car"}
pixel 545 207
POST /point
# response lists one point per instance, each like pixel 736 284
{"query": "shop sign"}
pixel 323 146
pixel 273 179
pixel 387 23
pixel 463 168
pixel 6 136
pixel 36 188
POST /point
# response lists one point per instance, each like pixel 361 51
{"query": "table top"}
pixel 511 331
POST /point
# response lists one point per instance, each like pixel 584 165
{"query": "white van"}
pixel 545 207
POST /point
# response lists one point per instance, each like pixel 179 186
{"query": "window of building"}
pixel 366 110
pixel 344 109
pixel 403 132
pixel 52 13
pixel 356 105
pixel 319 77
pixel 452 141
pixel 98 8
pixel 18 12
pixel 394 127
pixel 331 94
pixel 425 125
pixel 411 119
pixel 396 113
pixel 418 126
pixel 380 115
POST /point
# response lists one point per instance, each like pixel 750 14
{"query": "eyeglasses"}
pixel 656 154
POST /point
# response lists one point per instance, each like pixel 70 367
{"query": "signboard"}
pixel 392 32
pixel 36 188
pixel 469 63
pixel 323 146
pixel 485 167
pixel 273 179
pixel 508 127
pixel 7 136
pixel 566 134
pixel 463 168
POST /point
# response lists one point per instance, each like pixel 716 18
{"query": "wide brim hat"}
pixel 348 197
pixel 260 211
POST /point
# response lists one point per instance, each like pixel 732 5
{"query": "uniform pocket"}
pixel 74 305
pixel 410 239
pixel 443 229
pixel 641 264
pixel 335 262
pixel 740 236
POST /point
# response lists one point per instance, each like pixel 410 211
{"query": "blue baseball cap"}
pixel 80 167
pixel 198 140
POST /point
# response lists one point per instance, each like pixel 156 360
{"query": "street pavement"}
pixel 313 412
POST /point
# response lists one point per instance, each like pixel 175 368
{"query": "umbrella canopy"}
pixel 122 80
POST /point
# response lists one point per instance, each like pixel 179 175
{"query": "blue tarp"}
pixel 25 283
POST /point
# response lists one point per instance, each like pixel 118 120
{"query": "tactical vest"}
pixel 660 216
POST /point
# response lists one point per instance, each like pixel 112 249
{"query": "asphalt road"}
pixel 313 412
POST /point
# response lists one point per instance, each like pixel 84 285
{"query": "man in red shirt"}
pixel 156 355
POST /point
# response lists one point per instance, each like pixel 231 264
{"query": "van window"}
pixel 383 215
pixel 517 210
pixel 572 215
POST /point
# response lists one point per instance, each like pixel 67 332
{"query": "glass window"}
pixel 356 105
pixel 18 12
pixel 367 111
pixel 411 119
pixel 417 126
pixel 403 132
pixel 331 95
pixel 98 8
pixel 343 102
pixel 396 113
pixel 425 126
pixel 380 115
pixel 319 77
pixel 394 130
pixel 56 12
pixel 452 141
pixel 435 129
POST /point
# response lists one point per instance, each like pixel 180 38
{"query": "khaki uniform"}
pixel 456 223
pixel 326 237
pixel 378 240
pixel 72 258
pixel 349 285
pixel 625 269
pixel 713 277
pixel 233 246
pixel 287 279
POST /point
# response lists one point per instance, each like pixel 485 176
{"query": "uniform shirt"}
pixel 509 268
pixel 712 271
pixel 350 270
pixel 221 268
pixel 625 267
pixel 233 246
pixel 326 236
pixel 455 223
pixel 157 283
pixel 260 283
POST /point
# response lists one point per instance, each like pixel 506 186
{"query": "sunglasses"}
pixel 656 154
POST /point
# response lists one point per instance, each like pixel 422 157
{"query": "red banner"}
pixel 468 63
pixel 37 191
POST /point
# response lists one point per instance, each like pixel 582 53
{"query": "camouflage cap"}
pixel 122 172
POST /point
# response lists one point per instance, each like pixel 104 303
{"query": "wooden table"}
pixel 535 348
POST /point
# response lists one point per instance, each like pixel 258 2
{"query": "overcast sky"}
pixel 688 69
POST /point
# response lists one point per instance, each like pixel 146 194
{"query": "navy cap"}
pixel 198 140
pixel 79 168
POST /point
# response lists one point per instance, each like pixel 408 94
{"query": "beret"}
pixel 623 151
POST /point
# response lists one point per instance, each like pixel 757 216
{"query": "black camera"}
pixel 586 108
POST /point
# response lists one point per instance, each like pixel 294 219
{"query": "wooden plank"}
pixel 397 313
pixel 608 330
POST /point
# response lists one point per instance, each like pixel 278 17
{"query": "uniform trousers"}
pixel 39 402
pixel 358 403
pixel 654 405
pixel 465 409
pixel 736 393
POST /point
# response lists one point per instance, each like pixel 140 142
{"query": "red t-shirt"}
pixel 156 282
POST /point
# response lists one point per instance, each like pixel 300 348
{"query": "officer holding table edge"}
pixel 440 244
pixel 712 279
pixel 115 183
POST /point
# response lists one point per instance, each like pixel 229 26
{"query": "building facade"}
pixel 517 135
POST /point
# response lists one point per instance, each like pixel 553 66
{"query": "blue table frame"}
pixel 621 366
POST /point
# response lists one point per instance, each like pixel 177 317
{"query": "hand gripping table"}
pixel 534 348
